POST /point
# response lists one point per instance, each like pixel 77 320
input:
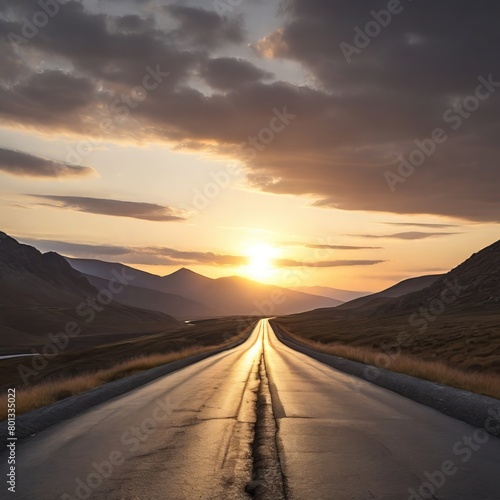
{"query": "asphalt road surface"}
pixel 189 436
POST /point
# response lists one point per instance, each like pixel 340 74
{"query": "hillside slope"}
pixel 474 283
pixel 455 320
pixel 153 300
pixel 42 293
pixel 241 296
pixel 222 297
pixel 334 293
pixel 404 287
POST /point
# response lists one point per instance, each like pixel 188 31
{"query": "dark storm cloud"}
pixel 395 91
pixel 26 165
pixel 48 98
pixel 116 208
pixel 12 68
pixel 113 49
pixel 424 48
pixel 205 28
pixel 351 128
pixel 134 24
pixel 228 73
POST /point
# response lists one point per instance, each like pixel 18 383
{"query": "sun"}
pixel 260 261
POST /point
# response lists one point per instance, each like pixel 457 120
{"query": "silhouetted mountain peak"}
pixel 23 261
pixel 374 300
pixel 222 296
pixel 40 293
pixel 474 282
pixel 184 272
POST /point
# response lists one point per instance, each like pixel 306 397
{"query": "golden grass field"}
pixel 460 349
pixel 75 372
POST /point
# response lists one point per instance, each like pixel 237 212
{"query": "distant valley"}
pixel 189 295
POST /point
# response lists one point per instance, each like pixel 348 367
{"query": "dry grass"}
pixel 467 340
pixel 52 390
pixel 487 384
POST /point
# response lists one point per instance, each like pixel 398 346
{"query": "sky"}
pixel 297 142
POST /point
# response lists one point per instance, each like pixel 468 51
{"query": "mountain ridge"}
pixel 226 296
pixel 474 282
pixel 41 293
pixel 404 287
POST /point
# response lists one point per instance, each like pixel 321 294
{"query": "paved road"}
pixel 188 436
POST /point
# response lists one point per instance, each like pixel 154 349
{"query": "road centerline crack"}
pixel 268 480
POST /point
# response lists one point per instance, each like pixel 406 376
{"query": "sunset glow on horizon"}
pixel 218 131
pixel 261 265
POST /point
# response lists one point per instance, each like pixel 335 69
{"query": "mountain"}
pixel 455 320
pixel 108 270
pixel 365 306
pixel 153 300
pixel 371 302
pixel 174 294
pixel 474 283
pixel 334 293
pixel 29 278
pixel 236 295
pixel 186 283
pixel 221 297
pixel 42 293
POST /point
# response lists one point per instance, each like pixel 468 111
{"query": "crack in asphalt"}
pixel 268 479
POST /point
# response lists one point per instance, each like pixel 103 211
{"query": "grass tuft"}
pixel 50 391
pixel 487 384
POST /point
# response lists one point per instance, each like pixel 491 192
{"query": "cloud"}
pixel 137 255
pixel 418 224
pixel 341 247
pixel 327 263
pixel 320 246
pixel 227 73
pixel 394 92
pixel 172 256
pixel 12 67
pixel 353 123
pixel 116 208
pixel 204 27
pixel 412 235
pixel 26 165
pixel 272 46
pixel 208 258
pixel 51 99
pixel 116 50
pixel 83 250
